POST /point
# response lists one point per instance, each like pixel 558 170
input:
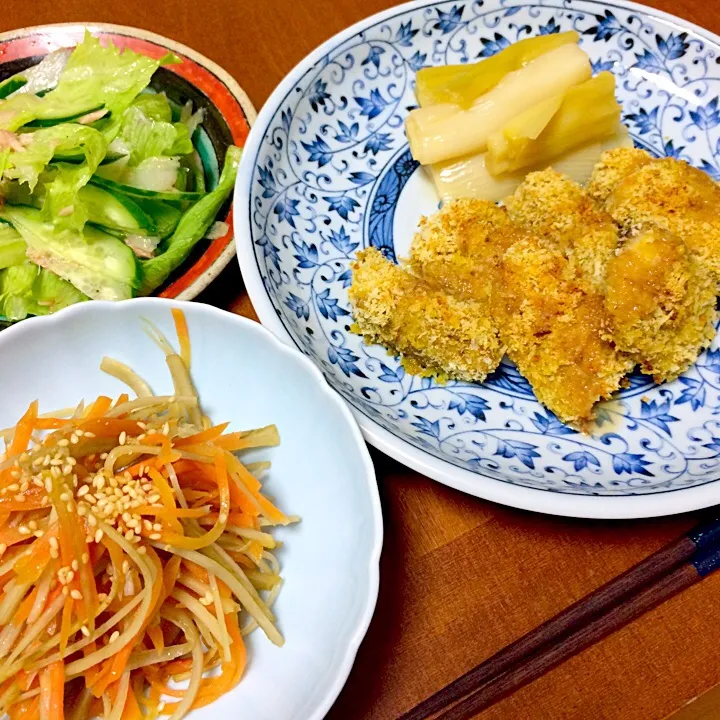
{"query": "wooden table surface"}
pixel 460 577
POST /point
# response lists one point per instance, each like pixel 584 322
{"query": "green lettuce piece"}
pixel 147 137
pixel 94 77
pixel 12 246
pixel 192 227
pixel 27 289
pixel 26 166
pixel 154 105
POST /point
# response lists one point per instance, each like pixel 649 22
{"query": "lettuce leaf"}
pixel 40 146
pixel 192 227
pixel 27 289
pixel 147 137
pixel 94 77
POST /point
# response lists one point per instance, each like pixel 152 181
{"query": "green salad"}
pixel 102 190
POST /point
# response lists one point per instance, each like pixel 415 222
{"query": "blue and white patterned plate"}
pixel 327 171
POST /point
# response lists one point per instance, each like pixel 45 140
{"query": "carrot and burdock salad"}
pixel 135 553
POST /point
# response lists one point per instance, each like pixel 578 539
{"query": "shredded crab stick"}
pixel 135 553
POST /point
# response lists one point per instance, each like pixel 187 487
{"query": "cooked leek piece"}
pixel 468 177
pixel 441 132
pixel 463 84
pixel 586 113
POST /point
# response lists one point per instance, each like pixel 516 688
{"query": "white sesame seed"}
pixel 33 525
pixel 98 535
pixel 157 527
pixel 63 443
pixel 23 530
pixel 122 438
pixel 85 558
pixel 74 439
pixel 84 489
pixel 85 631
pixel 20 498
pixel 74 565
pixel 155 536
pixel 76 595
pixel 89 434
pixel 142 550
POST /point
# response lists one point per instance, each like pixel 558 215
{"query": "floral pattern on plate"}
pixel 333 174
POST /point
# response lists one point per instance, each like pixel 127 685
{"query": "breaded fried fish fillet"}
pixel 553 325
pixel 668 193
pixel 561 213
pixel 661 303
pixel 459 248
pixel 614 166
pixel 435 332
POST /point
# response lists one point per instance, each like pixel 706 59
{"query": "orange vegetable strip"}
pixel 177 512
pixel 156 635
pixel 99 407
pixel 65 623
pixel 168 498
pixel 170 573
pixel 195 543
pixel 271 512
pixel 29 567
pixel 202 437
pixel 52 690
pixel 24 430
pixel 110 427
pixel 131 711
pixel 183 334
pixel 247 478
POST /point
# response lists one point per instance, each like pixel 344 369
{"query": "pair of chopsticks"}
pixel 673 568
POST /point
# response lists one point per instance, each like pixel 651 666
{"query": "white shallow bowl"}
pixel 327 171
pixel 321 471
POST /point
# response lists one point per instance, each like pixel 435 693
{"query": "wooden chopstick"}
pixel 683 577
pixel 574 619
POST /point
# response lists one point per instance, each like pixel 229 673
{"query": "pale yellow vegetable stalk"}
pixel 441 132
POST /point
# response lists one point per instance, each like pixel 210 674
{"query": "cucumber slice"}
pixel 134 192
pixel 96 263
pixel 114 210
pixel 165 217
pixel 78 157
pixel 49 121
pixel 11 85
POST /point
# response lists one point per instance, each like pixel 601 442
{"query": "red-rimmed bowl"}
pixel 228 117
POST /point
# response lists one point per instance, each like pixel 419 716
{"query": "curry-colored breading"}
pixel 578 285
pixel 614 166
pixel 459 248
pixel 553 324
pixel 661 303
pixel 668 193
pixel 435 332
pixel 560 212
